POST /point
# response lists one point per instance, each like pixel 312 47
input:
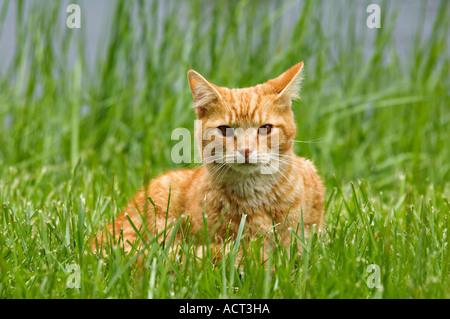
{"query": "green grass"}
pixel 77 140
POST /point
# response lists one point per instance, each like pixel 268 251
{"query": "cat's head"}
pixel 247 128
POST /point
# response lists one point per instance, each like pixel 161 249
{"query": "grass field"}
pixel 78 140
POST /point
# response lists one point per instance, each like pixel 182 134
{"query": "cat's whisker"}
pixel 217 168
pixel 211 159
pixel 221 172
pixel 280 166
pixel 274 156
pixel 230 158
pixel 290 157
pixel 197 165
pixel 287 160
pixel 316 140
pixel 279 170
pixel 281 157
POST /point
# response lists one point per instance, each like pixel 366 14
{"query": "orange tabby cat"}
pixel 233 183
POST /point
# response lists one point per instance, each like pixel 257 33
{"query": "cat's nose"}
pixel 245 152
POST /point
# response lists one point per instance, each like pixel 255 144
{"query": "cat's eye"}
pixel 265 129
pixel 226 130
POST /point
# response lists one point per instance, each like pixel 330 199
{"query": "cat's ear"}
pixel 204 92
pixel 287 85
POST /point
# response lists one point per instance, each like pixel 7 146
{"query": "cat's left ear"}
pixel 287 85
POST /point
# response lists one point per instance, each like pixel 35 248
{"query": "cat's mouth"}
pixel 248 163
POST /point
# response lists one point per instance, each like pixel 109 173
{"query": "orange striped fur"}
pixel 226 191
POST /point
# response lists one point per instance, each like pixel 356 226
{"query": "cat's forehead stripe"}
pixel 245 104
pixel 253 104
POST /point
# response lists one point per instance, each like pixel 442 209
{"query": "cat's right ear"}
pixel 204 92
pixel 287 85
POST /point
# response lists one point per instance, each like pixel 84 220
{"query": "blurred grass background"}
pixel 79 135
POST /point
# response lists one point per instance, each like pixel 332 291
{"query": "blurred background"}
pixel 108 95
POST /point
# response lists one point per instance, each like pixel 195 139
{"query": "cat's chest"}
pixel 264 203
pixel 252 197
pixel 262 209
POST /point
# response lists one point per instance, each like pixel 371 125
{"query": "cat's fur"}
pixel 224 192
